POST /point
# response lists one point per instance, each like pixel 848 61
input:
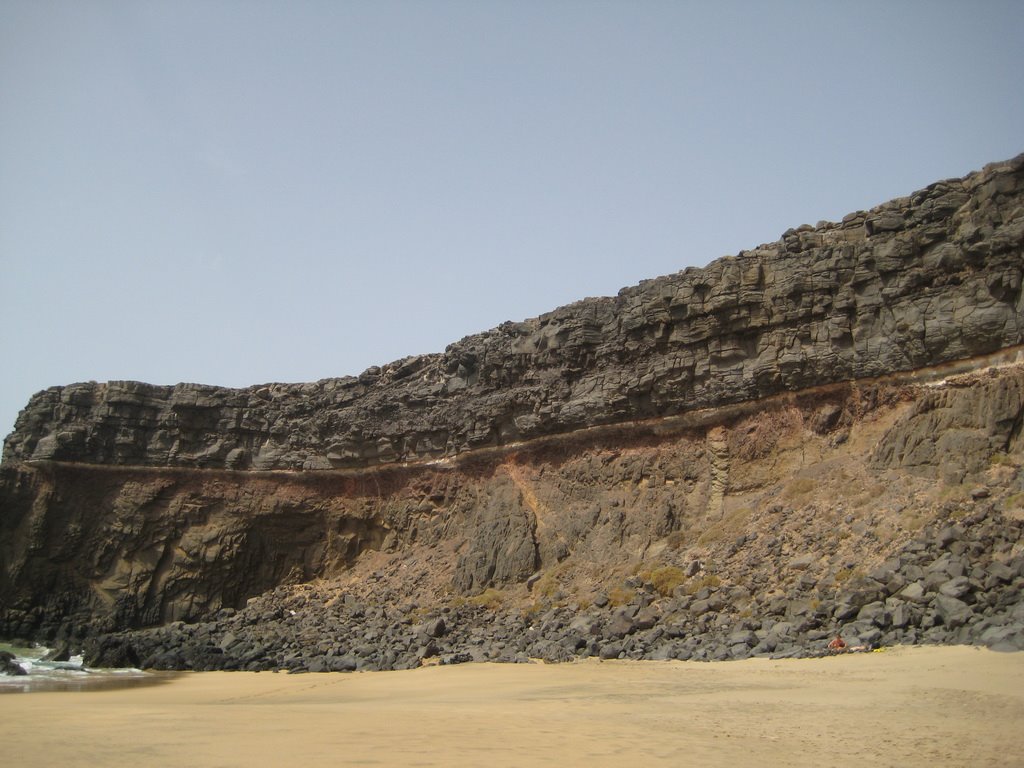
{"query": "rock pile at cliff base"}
pixel 936 590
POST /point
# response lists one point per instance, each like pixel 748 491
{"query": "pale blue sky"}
pixel 241 192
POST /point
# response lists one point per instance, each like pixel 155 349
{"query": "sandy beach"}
pixel 902 707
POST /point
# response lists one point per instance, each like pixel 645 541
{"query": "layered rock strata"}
pixel 926 279
pixel 773 427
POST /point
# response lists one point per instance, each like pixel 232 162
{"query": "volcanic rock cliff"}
pixel 922 280
pixel 723 421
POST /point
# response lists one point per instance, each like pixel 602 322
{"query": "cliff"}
pixel 930 278
pixel 716 425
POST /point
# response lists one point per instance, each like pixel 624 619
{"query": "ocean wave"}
pixel 70 675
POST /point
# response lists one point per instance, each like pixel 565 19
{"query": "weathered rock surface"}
pixel 930 278
pixel 309 630
pixel 820 435
pixel 956 427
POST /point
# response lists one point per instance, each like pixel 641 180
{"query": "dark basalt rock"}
pixel 633 631
pixel 926 279
pixel 174 526
pixel 8 666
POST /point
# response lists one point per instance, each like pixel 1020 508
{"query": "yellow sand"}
pixel 904 707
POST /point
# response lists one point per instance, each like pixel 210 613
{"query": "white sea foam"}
pixel 70 675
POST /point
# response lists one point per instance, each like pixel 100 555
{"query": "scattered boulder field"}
pixel 947 586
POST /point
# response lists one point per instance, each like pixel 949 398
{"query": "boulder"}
pixel 1000 572
pixel 113 652
pixel 953 612
pixel 958 586
pixel 435 627
pixel 913 592
pixel 742 637
pixel 1006 637
pixel 874 613
pixel 8 665
pixel 611 650
pixel 462 657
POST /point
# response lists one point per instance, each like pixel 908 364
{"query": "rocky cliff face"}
pixel 767 534
pixel 921 280
pixel 735 417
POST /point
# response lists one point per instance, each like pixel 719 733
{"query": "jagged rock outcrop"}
pixel 773 426
pixel 926 279
pixel 956 427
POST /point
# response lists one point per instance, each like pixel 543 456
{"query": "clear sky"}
pixel 241 192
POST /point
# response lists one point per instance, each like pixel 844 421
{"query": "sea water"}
pixel 70 675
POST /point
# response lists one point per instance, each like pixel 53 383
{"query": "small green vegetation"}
pixel 619 596
pixel 546 586
pixel 711 580
pixel 869 494
pixel 844 575
pixel 551 581
pixel 532 610
pixel 490 598
pixel 666 579
pixel 696 585
pixel 954 493
pixel 1002 459
pixel 1015 501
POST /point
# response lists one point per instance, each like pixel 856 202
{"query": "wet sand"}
pixel 902 707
